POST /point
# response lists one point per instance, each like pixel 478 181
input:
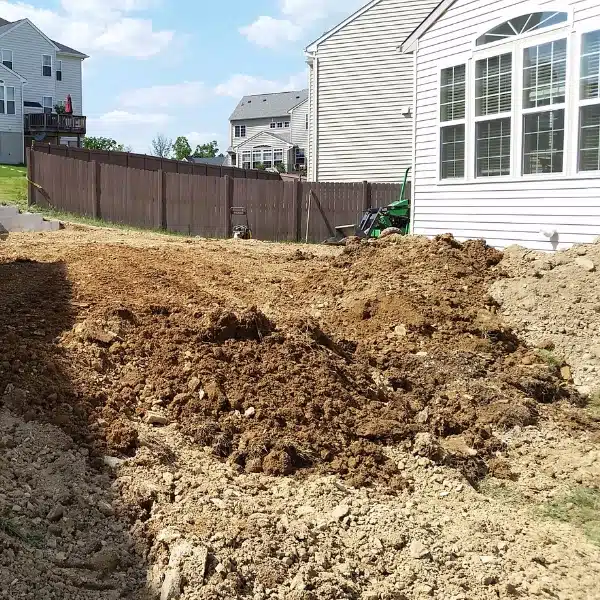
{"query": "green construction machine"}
pixel 394 218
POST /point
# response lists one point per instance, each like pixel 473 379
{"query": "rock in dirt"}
pixel 154 418
pixel 340 511
pixel 171 587
pixel 586 264
pixel 418 550
pixel 56 513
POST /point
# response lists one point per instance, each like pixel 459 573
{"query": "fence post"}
pixel 228 204
pixel 96 190
pixel 162 200
pixel 366 192
pixel 30 177
pixel 297 204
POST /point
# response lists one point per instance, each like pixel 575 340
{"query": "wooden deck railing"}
pixel 52 122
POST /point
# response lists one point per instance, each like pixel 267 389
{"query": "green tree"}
pixel 182 148
pixel 101 143
pixel 209 150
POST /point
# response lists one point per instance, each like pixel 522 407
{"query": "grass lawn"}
pixel 13 185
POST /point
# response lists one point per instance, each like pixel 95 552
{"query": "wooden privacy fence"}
pixel 200 205
pixel 151 163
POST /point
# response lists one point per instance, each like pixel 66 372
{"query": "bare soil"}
pixel 221 367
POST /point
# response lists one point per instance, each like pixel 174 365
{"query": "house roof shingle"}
pixel 6 25
pixel 262 106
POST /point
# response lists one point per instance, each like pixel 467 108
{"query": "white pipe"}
pixel 413 179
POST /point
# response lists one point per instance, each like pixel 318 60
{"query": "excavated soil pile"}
pixel 385 342
pixel 553 301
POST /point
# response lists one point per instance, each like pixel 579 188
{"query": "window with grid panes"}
pixel 544 86
pixel 452 117
pixel 493 97
pixel 589 103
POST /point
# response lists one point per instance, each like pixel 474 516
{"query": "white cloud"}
pixel 188 93
pixel 241 85
pixel 123 117
pixel 270 33
pixel 95 26
pixel 296 20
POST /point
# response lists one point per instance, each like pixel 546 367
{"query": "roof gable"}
pixel 261 106
pixel 280 140
pixel 6 26
pixel 409 43
pixel 313 47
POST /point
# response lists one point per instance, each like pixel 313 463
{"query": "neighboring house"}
pixel 361 94
pixel 270 130
pixel 216 161
pixel 36 74
pixel 507 119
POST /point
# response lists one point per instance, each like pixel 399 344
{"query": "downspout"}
pixel 23 119
pixel 413 187
pixel 316 125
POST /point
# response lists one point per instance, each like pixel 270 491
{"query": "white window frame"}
pixel 7 100
pixel 588 27
pixel 273 125
pixel 571 106
pixel 59 69
pixel 12 55
pixel 456 62
pixel 282 161
pixel 286 124
pixel 241 129
pixel 44 107
pixel 43 65
pixel 242 161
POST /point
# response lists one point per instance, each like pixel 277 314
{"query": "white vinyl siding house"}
pixel 29 48
pixel 30 58
pixel 361 94
pixel 507 144
pixel 71 82
pixel 270 131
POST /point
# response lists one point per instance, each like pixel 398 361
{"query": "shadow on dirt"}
pixel 59 531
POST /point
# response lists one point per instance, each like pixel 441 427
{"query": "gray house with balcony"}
pixel 37 75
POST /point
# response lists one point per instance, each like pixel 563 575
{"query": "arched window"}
pixel 523 24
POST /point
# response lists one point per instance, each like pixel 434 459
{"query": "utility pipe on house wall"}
pixel 413 187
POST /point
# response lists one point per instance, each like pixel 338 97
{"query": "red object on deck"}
pixel 69 105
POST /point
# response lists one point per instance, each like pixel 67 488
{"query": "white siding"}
pixel 28 46
pixel 299 131
pixel 502 212
pixel 363 84
pixel 255 126
pixel 71 82
pixel 12 123
pixel 263 139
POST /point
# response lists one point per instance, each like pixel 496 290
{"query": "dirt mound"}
pixel 403 340
pixel 553 301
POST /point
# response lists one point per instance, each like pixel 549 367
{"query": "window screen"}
pixel 590 66
pixel 543 142
pixel 493 85
pixel 452 94
pixel 492 147
pixel 589 138
pixel 452 155
pixel 544 74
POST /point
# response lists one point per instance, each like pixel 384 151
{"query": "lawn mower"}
pixel 378 222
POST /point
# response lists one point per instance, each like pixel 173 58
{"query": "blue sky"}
pixel 179 67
